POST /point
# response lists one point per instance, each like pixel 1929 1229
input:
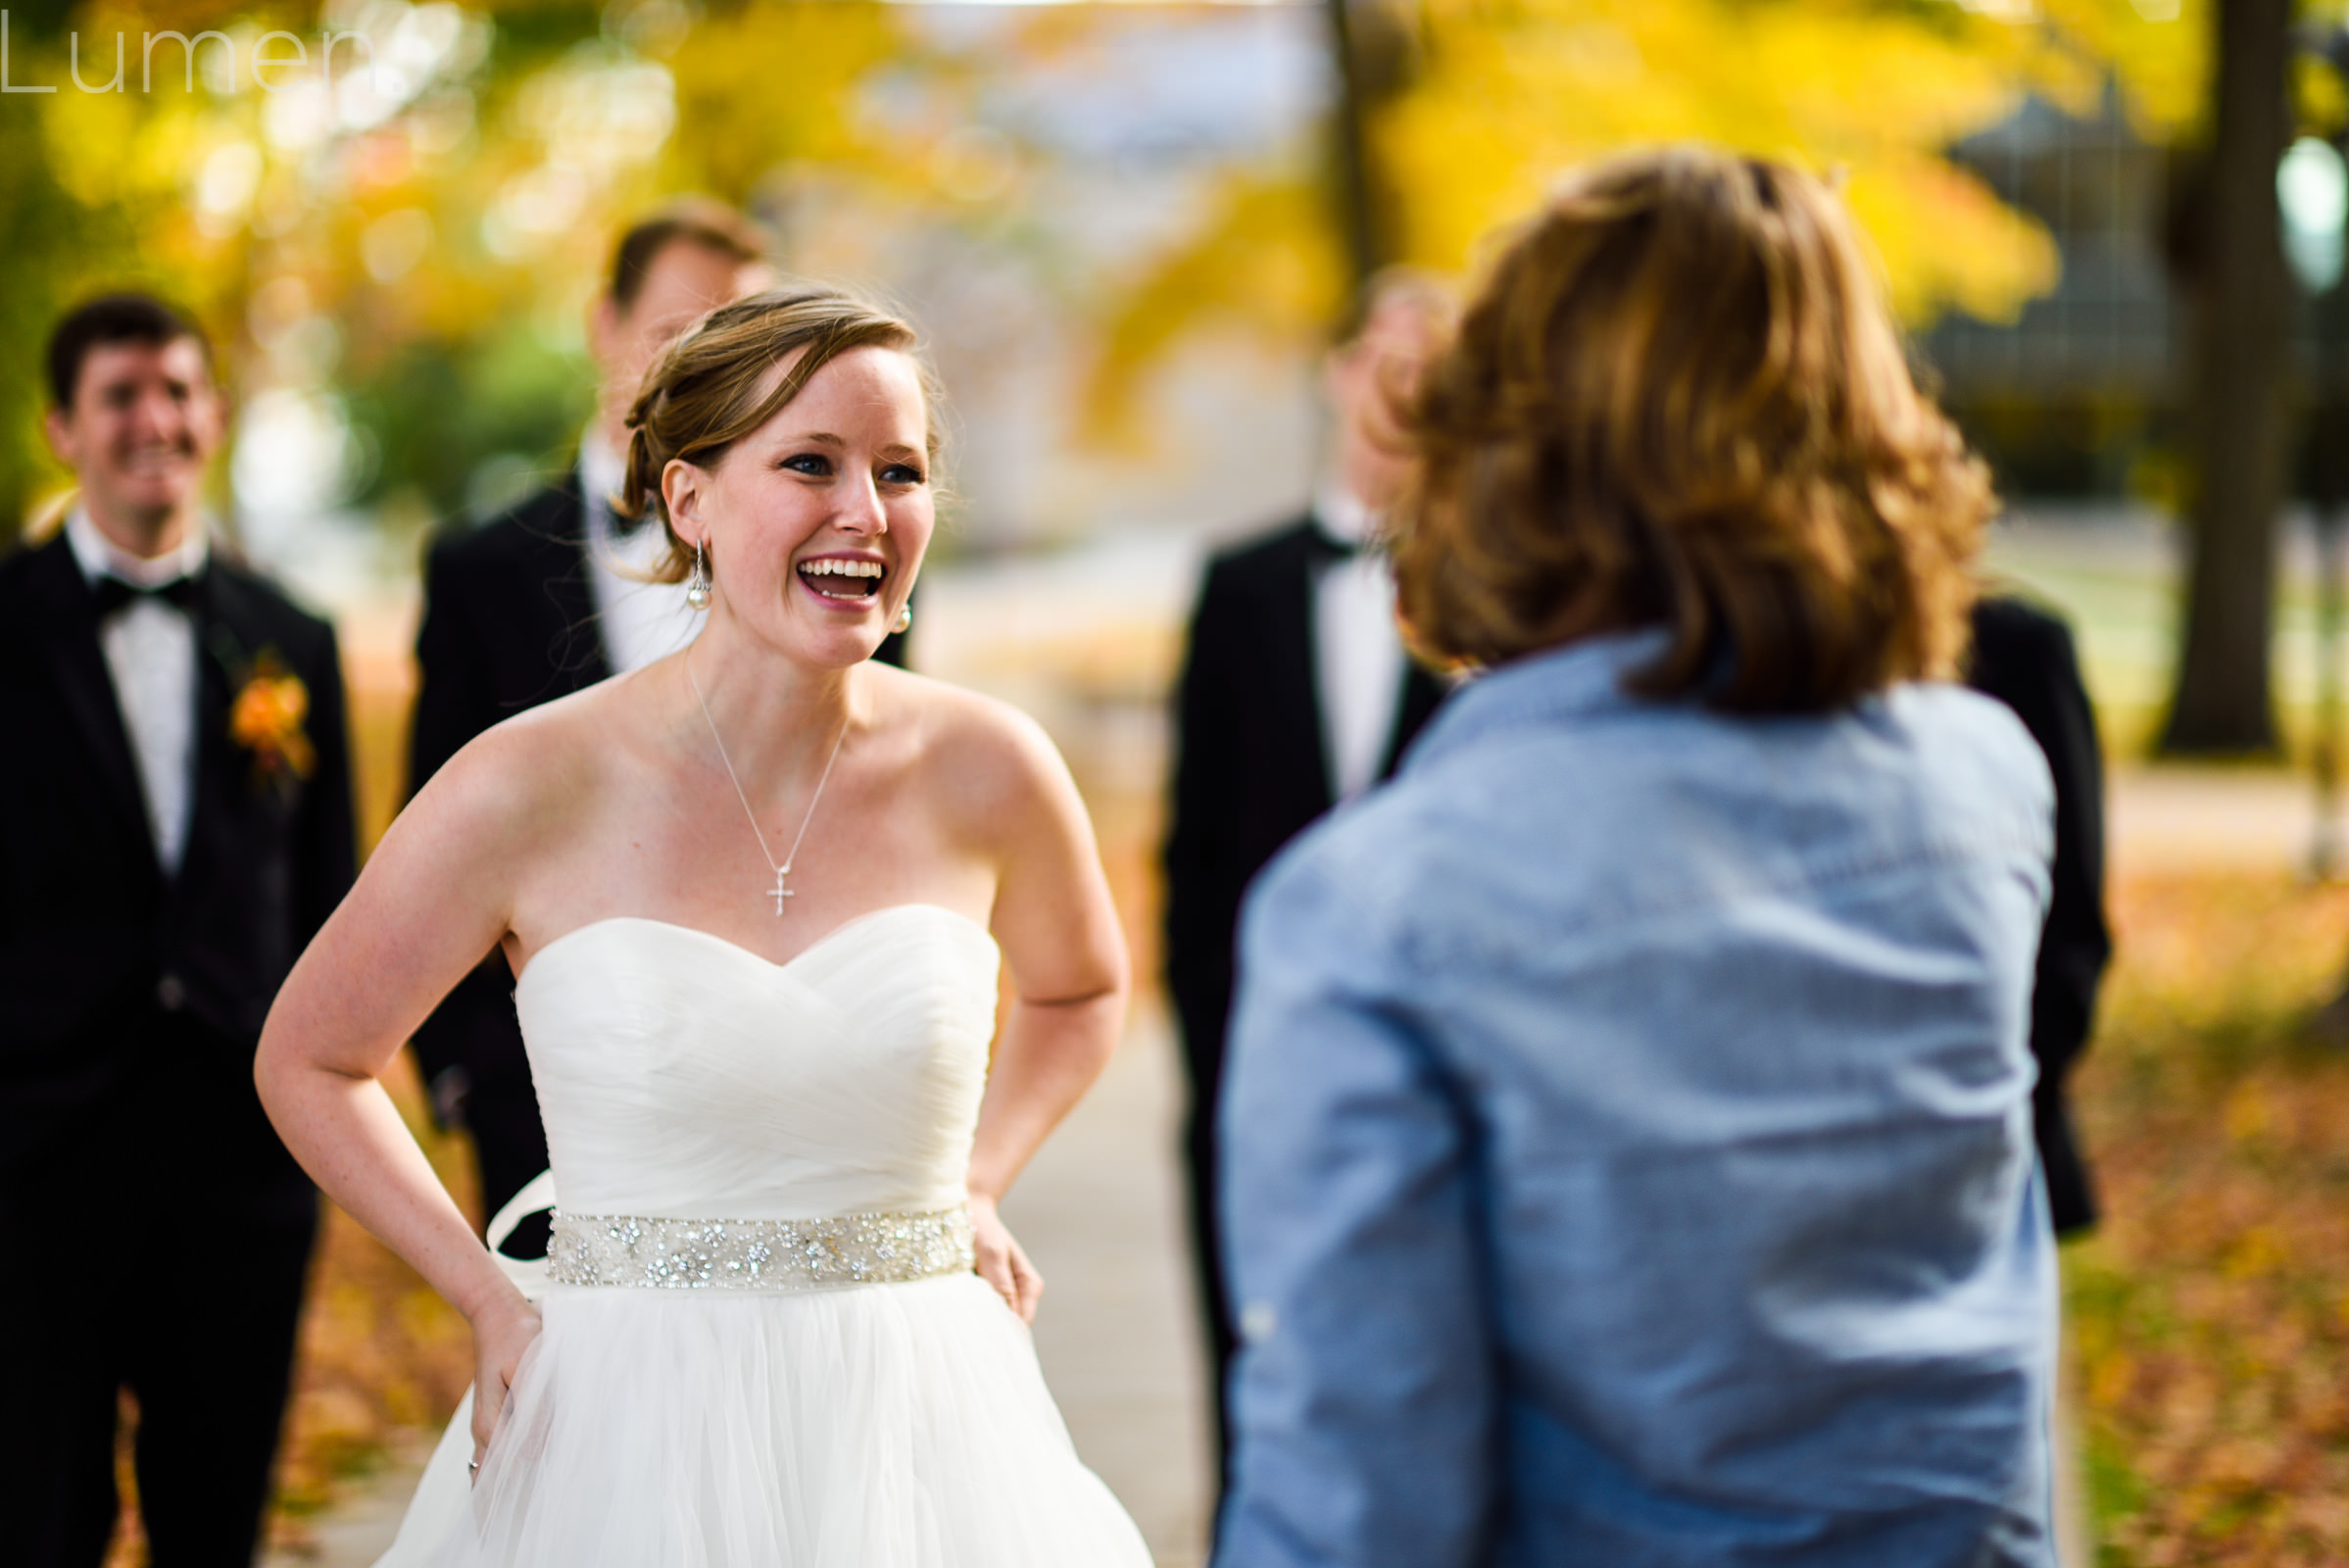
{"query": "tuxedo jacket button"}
pixel 169 994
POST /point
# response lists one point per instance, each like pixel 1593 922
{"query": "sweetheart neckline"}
pixel 844 926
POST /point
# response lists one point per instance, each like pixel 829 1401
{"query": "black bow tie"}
pixel 112 593
pixel 1325 545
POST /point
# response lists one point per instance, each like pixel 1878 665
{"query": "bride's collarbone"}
pixel 663 844
pixel 700 877
pixel 748 942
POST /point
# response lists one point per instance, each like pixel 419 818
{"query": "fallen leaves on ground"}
pixel 2209 1315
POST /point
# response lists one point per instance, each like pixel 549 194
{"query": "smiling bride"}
pixel 755 896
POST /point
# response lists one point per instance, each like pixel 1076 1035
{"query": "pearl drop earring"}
pixel 697 587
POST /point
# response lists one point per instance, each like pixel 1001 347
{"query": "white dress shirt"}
pixel 1357 649
pixel 639 621
pixel 150 648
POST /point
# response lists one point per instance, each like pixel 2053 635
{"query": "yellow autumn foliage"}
pixel 746 98
pixel 1264 261
pixel 1503 96
pixel 480 196
pixel 1512 94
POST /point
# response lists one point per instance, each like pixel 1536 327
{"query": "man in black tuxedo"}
pixel 539 603
pixel 1296 694
pixel 175 825
pixel 2024 656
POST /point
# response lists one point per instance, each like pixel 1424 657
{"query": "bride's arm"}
pixel 434 897
pixel 1059 933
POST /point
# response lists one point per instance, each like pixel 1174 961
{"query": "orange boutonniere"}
pixel 267 720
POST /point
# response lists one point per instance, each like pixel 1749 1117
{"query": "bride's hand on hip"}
pixel 1000 1262
pixel 500 1335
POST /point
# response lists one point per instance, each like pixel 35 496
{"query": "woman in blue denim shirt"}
pixel 1628 1136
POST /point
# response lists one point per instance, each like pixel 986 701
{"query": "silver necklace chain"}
pixel 780 892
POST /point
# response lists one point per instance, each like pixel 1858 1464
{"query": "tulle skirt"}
pixel 880 1426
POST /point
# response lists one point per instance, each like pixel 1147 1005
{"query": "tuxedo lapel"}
pixel 557 595
pixel 230 634
pixel 1290 674
pixel 1422 694
pixel 579 648
pixel 69 633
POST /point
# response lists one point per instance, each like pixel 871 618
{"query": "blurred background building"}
pixel 2069 397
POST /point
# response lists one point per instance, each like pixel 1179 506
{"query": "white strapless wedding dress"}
pixel 764 1344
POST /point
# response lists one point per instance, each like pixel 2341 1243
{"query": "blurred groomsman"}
pixel 2024 656
pixel 1295 694
pixel 541 601
pixel 175 825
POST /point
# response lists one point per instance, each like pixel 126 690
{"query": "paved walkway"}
pixel 1101 1213
pixel 361 1525
pixel 2180 818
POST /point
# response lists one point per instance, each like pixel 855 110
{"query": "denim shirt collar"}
pixel 1583 677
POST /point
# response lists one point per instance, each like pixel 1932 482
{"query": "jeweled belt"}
pixel 757 1255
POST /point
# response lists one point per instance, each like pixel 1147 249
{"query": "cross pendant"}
pixel 781 892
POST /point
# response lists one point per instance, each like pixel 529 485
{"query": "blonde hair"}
pixel 702 395
pixel 1679 401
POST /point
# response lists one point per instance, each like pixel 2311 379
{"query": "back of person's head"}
pixel 1392 326
pixel 1679 401
pixel 107 321
pixel 690 220
pixel 1409 290
pixel 716 384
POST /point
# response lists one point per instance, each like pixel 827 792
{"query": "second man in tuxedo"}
pixel 539 603
pixel 1296 694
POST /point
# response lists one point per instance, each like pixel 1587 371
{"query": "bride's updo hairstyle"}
pixel 1679 401
pixel 703 393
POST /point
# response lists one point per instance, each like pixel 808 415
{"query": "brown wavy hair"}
pixel 703 393
pixel 1679 401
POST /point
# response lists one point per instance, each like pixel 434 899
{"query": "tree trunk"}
pixel 2241 307
pixel 1358 219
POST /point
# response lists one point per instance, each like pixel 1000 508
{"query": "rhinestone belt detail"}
pixel 757 1255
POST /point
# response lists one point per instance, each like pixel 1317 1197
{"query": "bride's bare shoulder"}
pixel 521 780
pixel 990 765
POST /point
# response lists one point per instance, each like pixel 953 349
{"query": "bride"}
pixel 754 898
